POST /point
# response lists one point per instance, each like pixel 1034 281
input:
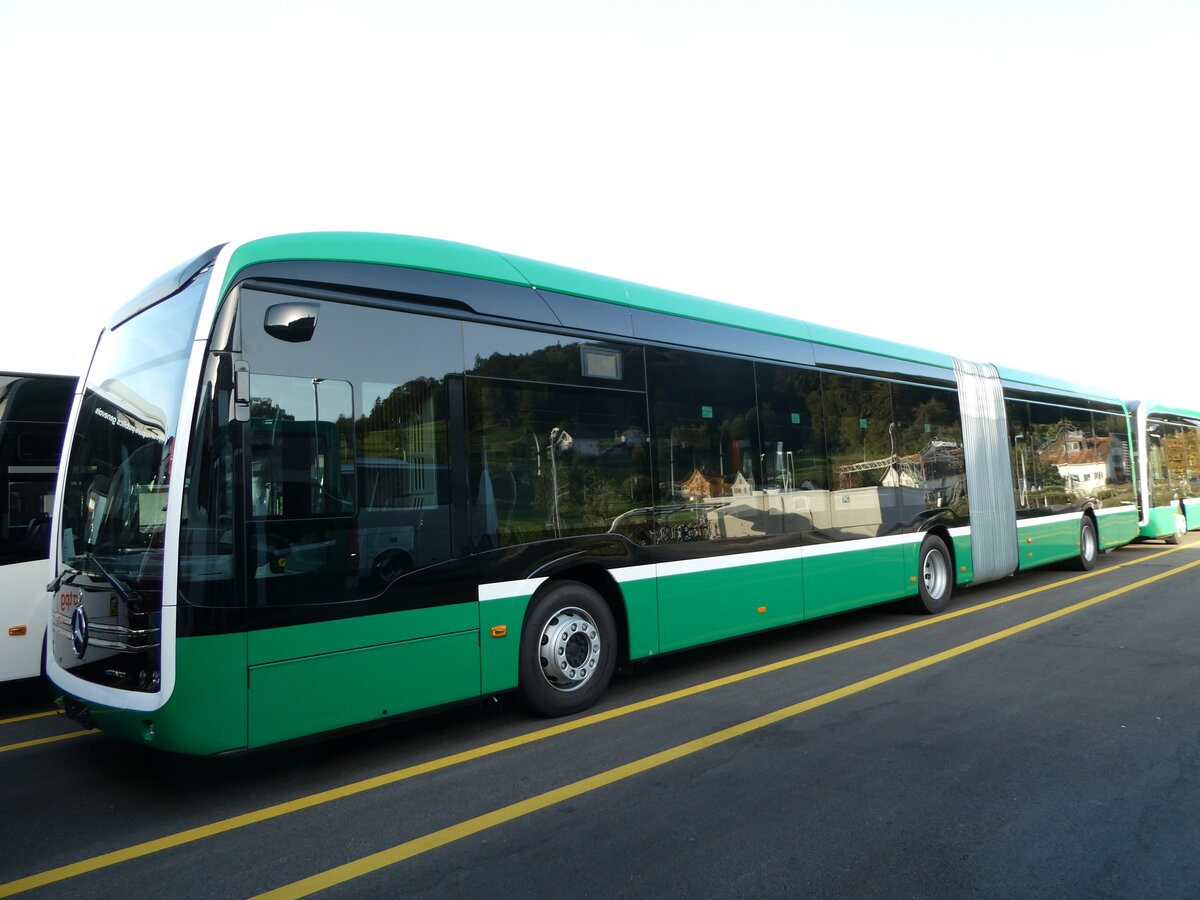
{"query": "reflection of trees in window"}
pixel 705 425
pixel 558 363
pixel 401 445
pixel 403 478
pixel 793 428
pixel 858 416
pixel 929 452
pixel 550 461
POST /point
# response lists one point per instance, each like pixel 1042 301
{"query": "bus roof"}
pixel 476 262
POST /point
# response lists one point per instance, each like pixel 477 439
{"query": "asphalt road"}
pixel 1041 739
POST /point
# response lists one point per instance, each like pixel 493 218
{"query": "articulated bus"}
pixel 1168 448
pixel 33 417
pixel 323 480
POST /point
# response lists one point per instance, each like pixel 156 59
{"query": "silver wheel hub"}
pixel 935 574
pixel 1089 543
pixel 569 648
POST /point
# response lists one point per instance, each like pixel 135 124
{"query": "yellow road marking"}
pixel 46 740
pixel 254 817
pixel 408 849
pixel 39 715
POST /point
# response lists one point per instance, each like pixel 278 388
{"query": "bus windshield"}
pixel 120 462
pixel 115 489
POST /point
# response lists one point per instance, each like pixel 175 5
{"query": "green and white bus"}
pixel 33 417
pixel 1168 447
pixel 316 481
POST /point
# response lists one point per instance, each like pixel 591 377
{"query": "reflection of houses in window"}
pixel 1085 463
pixel 697 487
pixel 741 487
pixel 938 467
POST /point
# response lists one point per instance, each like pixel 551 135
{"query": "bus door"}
pixel 347 516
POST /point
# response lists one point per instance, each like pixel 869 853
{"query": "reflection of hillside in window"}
pixel 518 355
pixel 550 460
pixel 858 420
pixel 401 445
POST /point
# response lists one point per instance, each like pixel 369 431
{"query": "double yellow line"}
pixel 508 813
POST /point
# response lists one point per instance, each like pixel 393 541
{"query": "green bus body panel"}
pixel 964 564
pixel 206 712
pixel 1117 529
pixel 1192 514
pixel 298 697
pixel 1161 523
pixel 1039 544
pixel 276 644
pixel 498 655
pixel 701 607
pixel 310 678
pixel 836 582
pixel 641 613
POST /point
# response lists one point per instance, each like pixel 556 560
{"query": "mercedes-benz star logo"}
pixel 79 631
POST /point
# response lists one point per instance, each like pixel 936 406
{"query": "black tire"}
pixel 1089 547
pixel 568 649
pixel 935 577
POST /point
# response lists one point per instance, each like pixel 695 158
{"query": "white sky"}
pixel 1015 182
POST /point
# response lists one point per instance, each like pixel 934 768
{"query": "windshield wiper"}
pixel 120 588
pixel 131 597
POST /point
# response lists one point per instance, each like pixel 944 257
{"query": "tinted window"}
pixel 1064 456
pixel 516 354
pixel 550 461
pixel 929 449
pixel 1173 459
pixel 558 441
pixel 32 415
pixel 346 484
pixel 795 468
pixel 705 431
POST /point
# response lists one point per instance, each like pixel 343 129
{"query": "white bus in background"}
pixel 33 416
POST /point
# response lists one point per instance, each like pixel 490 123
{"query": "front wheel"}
pixel 1088 547
pixel 935 576
pixel 568 650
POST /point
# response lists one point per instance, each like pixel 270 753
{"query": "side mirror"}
pixel 293 322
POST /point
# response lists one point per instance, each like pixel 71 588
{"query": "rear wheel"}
pixel 1088 546
pixel 935 576
pixel 568 650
